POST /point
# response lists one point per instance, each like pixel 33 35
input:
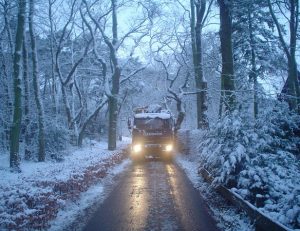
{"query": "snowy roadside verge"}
pixel 67 217
pixel 32 198
pixel 261 220
pixel 227 216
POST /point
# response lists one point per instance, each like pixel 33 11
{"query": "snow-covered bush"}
pixel 278 128
pixel 57 136
pixel 223 150
pixel 259 159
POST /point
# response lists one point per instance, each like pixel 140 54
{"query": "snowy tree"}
pixel 8 10
pixel 27 111
pixel 227 76
pixel 36 85
pixel 291 7
pixel 112 83
pixel 253 38
pixel 176 95
pixel 17 111
pixel 199 13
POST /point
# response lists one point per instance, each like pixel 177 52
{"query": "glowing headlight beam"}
pixel 137 148
pixel 169 147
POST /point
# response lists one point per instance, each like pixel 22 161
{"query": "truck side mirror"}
pixel 129 124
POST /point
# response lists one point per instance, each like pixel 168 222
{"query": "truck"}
pixel 152 134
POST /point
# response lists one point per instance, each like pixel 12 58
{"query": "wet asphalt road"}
pixel 153 195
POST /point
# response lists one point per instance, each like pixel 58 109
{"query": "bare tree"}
pixel 199 13
pixel 253 74
pixel 7 6
pixel 27 138
pixel 115 80
pixel 177 96
pixel 36 85
pixel 112 96
pixel 52 48
pixel 103 100
pixel 17 111
pixel 6 56
pixel 292 6
pixel 68 80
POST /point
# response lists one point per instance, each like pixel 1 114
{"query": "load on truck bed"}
pixel 152 134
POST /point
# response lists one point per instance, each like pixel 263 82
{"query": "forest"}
pixel 74 70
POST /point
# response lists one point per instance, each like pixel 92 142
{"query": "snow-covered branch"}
pixel 133 73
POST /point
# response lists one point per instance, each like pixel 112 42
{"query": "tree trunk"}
pixel 6 98
pixel 181 114
pixel 7 6
pixel 201 85
pixel 114 91
pixel 36 86
pixel 27 155
pixel 53 86
pixel 255 96
pixel 292 70
pixel 113 99
pixel 221 103
pixel 293 90
pixel 293 85
pixel 227 56
pixel 113 111
pixel 17 111
pixel 112 130
pixel 253 74
pixel 88 120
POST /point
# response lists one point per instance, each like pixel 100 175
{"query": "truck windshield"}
pixel 152 124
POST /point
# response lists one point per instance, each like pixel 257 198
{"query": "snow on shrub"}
pixel 278 128
pixel 223 149
pixel 258 159
pixel 57 137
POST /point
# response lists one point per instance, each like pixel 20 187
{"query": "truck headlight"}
pixel 169 147
pixel 137 148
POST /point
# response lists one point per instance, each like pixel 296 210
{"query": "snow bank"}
pixel 33 197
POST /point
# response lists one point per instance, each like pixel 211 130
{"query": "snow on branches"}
pixel 258 159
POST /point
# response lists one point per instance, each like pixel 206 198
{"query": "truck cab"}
pixel 152 135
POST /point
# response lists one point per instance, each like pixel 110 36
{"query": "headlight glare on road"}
pixel 169 147
pixel 137 148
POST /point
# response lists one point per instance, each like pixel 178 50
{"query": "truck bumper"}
pixel 154 150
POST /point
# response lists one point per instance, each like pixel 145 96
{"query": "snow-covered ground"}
pixel 40 193
pixel 93 196
pixel 228 217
